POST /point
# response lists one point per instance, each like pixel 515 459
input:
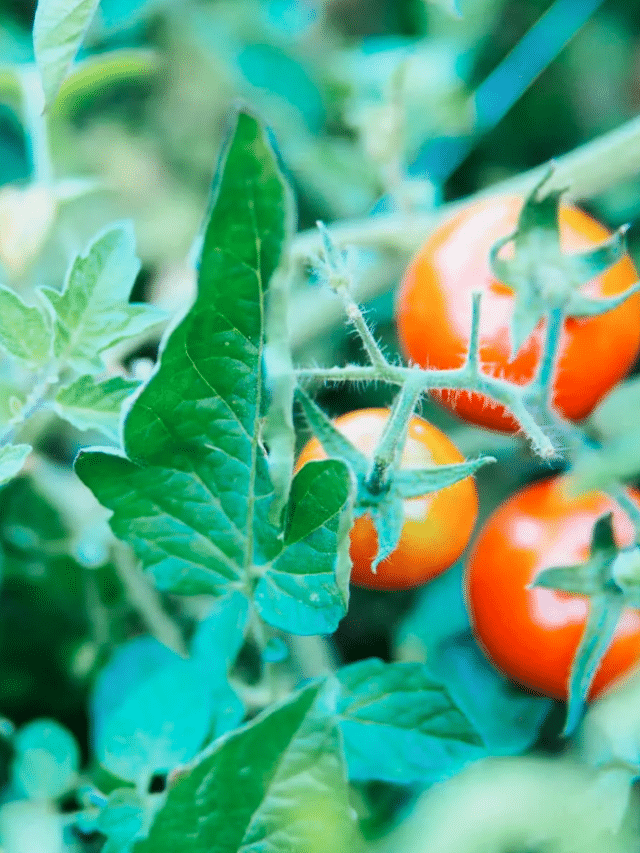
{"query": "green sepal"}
pixel 604 614
pixel 388 520
pixel 586 266
pixel 413 483
pixel 607 599
pixel 332 440
pixel 583 306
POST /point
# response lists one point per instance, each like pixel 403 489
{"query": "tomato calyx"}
pixel 610 577
pixel 382 486
pixel 542 277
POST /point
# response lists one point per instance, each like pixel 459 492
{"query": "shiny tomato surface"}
pixel 434 314
pixel 532 634
pixel 437 526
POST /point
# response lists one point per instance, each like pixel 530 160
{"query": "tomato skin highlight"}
pixel 433 314
pixel 437 526
pixel 532 635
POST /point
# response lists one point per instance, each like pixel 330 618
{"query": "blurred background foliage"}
pixel 375 105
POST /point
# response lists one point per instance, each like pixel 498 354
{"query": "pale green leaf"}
pixel 24 331
pixel 58 29
pixel 12 458
pixel 88 404
pixel 92 313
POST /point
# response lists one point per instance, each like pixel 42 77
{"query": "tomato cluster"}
pixel 531 633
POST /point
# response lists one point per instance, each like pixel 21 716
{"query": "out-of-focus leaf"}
pixel 12 458
pixel 401 725
pixel 46 760
pixel 122 820
pixel 58 29
pixel 93 313
pixel 151 711
pixel 277 784
pixel 88 404
pixel 507 718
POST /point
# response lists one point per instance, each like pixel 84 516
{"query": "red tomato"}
pixel 437 526
pixel 434 314
pixel 532 634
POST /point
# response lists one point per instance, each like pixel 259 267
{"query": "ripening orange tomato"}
pixel 434 314
pixel 437 526
pixel 532 635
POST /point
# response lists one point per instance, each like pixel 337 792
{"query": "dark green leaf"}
pixel 306 589
pixel 195 501
pixel 277 784
pixel 402 725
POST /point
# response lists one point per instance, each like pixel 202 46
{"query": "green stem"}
pixel 550 355
pixel 35 121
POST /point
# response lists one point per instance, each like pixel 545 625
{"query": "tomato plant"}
pixel 436 526
pixel 434 314
pixel 532 634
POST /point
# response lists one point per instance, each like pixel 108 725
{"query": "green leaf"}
pixel 88 404
pixel 24 331
pixel 58 30
pixel 278 784
pixel 46 759
pixel 421 481
pixel 92 313
pixel 401 725
pixel 12 458
pixel 151 711
pixel 306 589
pixel 604 614
pixel 194 503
